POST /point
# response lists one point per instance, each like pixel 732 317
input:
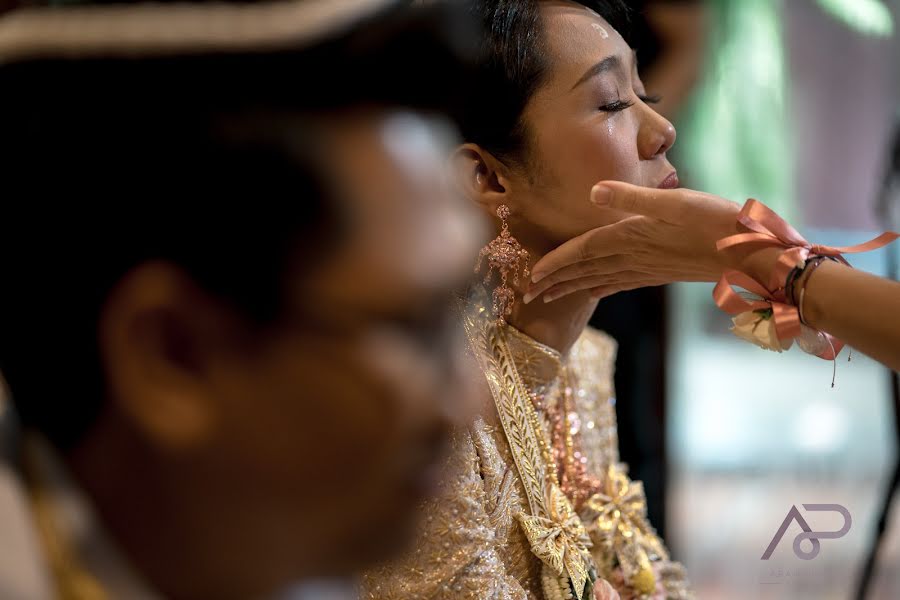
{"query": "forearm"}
pixel 859 308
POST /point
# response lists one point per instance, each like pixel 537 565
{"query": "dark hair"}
pixel 512 67
pixel 202 160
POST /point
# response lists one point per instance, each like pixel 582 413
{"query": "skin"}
pixel 672 237
pixel 234 459
pixel 575 139
pixel 635 253
pixel 856 307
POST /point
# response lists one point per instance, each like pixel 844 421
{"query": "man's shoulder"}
pixel 23 573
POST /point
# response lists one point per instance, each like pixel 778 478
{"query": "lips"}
pixel 669 182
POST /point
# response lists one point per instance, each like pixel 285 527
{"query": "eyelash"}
pixel 620 105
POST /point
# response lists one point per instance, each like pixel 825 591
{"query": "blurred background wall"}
pixel 797 107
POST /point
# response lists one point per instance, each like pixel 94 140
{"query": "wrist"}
pixel 810 312
pixel 758 263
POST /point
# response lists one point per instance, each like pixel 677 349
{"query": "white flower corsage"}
pixel 758 327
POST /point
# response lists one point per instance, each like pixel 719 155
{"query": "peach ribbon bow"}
pixel 766 227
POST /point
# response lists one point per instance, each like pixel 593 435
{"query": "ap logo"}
pixel 808 533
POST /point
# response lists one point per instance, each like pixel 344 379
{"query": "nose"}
pixel 656 135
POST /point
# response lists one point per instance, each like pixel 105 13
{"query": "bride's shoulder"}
pixel 593 359
pixel 596 342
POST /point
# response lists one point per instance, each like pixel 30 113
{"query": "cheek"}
pixel 583 154
pixel 336 430
pixel 295 417
pixel 363 408
pixel 350 415
pixel 603 149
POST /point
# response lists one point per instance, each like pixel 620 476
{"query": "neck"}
pixel 556 324
pixel 148 508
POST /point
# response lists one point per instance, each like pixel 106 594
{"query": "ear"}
pixel 481 177
pixel 158 333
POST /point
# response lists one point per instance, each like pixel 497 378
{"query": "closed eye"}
pixel 617 106
pixel 620 105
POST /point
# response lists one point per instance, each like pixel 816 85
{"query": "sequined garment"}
pixel 472 543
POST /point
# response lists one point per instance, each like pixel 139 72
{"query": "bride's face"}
pixel 587 122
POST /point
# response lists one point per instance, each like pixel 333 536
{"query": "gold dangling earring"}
pixel 505 254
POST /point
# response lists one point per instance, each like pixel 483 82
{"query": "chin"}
pixel 593 221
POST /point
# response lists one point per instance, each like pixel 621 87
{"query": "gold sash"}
pixel 555 532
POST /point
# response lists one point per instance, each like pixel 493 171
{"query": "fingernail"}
pixel 527 297
pixel 549 298
pixel 601 195
pixel 535 277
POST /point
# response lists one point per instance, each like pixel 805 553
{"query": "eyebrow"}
pixel 607 64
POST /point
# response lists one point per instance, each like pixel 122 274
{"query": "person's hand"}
pixel 672 237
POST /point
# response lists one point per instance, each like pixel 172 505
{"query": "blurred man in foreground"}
pixel 225 280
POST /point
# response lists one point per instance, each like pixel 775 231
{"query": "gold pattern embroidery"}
pixel 549 528
pixel 619 526
pixel 560 539
pixel 457 551
pixel 474 546
pixel 527 452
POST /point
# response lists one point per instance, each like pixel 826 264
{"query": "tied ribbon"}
pixel 560 540
pixel 766 227
pixel 618 514
pixel 785 316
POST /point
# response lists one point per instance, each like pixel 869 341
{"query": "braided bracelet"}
pixel 801 274
pixel 768 313
pixel 790 280
pixel 803 278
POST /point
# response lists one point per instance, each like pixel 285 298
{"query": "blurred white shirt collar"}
pixel 24 569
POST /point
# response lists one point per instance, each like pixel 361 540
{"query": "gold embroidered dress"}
pixel 536 505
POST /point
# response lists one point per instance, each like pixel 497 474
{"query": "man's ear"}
pixel 159 334
pixel 481 177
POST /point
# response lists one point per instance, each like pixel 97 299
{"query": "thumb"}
pixel 666 205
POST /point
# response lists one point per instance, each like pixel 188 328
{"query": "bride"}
pixel 536 502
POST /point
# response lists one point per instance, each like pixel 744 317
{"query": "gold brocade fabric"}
pixel 472 543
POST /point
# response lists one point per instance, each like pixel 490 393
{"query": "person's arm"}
pixel 672 237
pixel 858 308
